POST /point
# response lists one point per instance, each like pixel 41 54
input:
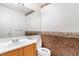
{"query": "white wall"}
pixel 11 21
pixel 61 17
pixel 55 17
pixel 34 21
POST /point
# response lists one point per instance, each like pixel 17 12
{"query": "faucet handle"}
pixel 15 40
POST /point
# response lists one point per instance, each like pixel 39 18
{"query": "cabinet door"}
pixel 11 53
pixel 30 50
pixel 17 52
pixel 20 52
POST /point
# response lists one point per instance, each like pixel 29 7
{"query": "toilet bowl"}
pixel 41 51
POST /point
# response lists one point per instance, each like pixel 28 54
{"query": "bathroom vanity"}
pixel 28 50
pixel 21 48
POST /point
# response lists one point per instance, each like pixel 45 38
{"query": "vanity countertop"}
pixel 8 46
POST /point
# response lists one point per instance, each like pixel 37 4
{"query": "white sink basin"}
pixel 24 40
pixel 21 41
pixel 5 43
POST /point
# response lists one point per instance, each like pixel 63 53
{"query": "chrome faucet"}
pixel 15 40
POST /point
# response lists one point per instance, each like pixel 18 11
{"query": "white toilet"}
pixel 41 51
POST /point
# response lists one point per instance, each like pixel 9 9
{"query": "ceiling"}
pixel 26 8
pixel 16 7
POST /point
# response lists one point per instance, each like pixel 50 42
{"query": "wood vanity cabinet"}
pixel 29 50
pixel 17 52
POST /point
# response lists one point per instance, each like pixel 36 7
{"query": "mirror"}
pixel 18 19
